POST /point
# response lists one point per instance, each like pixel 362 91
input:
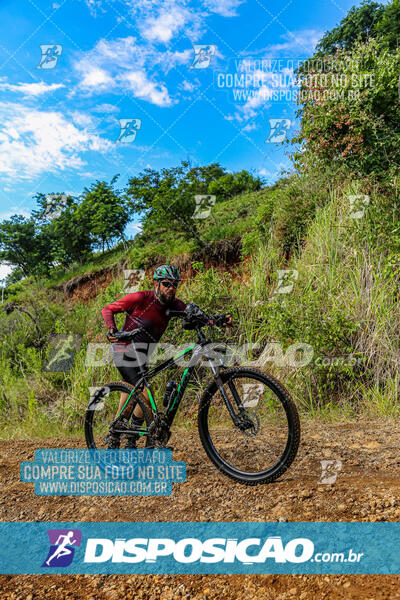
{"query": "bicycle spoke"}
pixel 257 441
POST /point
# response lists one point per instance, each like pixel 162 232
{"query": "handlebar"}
pixel 175 313
pixel 127 336
pixel 195 318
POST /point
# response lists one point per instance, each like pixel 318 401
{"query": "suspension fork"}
pixel 218 381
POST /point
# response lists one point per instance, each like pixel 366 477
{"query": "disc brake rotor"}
pixel 255 424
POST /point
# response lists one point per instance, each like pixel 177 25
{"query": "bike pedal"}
pixel 159 447
pixel 131 445
pixel 113 442
pixel 131 442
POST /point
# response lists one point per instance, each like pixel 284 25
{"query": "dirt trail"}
pixel 366 489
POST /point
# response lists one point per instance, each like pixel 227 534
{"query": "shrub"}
pixel 231 185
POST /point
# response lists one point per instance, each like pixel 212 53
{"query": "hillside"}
pixel 309 268
pixel 342 307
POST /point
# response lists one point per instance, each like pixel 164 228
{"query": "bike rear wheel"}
pixel 263 442
pixel 101 413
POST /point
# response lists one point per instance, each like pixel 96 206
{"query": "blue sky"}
pixel 133 59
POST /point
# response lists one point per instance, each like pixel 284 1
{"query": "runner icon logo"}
pixel 61 551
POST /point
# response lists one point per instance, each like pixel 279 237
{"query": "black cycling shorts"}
pixel 129 372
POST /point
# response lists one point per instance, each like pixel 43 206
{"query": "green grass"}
pixel 344 301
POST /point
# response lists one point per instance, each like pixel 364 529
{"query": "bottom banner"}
pixel 205 548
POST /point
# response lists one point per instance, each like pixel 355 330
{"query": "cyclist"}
pixel 147 310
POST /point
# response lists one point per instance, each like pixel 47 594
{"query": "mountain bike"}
pixel 248 424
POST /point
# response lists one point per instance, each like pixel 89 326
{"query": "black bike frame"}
pixel 196 352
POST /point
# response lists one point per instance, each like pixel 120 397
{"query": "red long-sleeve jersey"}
pixel 143 310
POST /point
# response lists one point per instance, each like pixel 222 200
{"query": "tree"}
pixel 71 235
pixel 104 212
pixel 68 232
pixel 50 206
pixel 370 20
pixel 21 244
pixel 233 184
pixel 166 198
pixel 358 25
pixel 388 28
pixel 350 110
pixel 351 124
pixel 16 275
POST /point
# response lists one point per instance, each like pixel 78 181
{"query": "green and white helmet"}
pixel 167 272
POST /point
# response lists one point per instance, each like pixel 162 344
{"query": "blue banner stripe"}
pixel 208 548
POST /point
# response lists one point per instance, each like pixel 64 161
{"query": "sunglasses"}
pixel 170 284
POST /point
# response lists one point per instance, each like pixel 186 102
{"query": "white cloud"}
pixel 31 89
pixel 96 78
pixel 134 64
pixel 262 94
pixel 132 229
pixel 122 64
pixel 249 127
pixel 38 141
pixel 159 21
pixel 249 110
pixel 15 210
pixel 145 89
pixel 300 42
pixel 279 168
pixel 94 6
pixel 167 60
pixel 105 108
pixel 187 86
pixel 4 271
pixel 81 119
pixel 164 26
pixel 225 8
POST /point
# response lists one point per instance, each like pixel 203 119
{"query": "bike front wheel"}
pixel 249 426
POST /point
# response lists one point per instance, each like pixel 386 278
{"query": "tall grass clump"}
pixel 342 306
